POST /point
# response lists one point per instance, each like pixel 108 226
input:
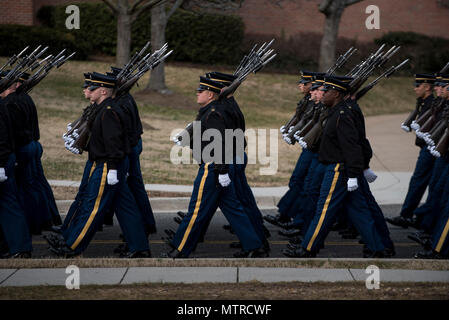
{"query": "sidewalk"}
pixel 119 276
pixel 389 188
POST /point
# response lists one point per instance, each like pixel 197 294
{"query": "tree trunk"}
pixel 123 34
pixel 158 25
pixel 330 34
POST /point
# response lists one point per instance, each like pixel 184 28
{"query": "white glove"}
pixel 3 176
pixel 112 177
pixel 370 176
pixel 69 127
pixel 296 135
pixel 302 143
pixel 290 129
pixel 352 184
pixel 75 133
pixel 224 180
pixel 282 129
pixel 405 128
pixel 287 139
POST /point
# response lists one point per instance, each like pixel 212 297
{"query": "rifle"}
pixel 386 74
pixel 13 59
pixel 442 146
pixel 342 59
pixel 125 70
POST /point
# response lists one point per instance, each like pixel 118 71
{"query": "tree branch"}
pixel 136 10
pixel 175 6
pixel 351 2
pixel 111 5
pixel 324 5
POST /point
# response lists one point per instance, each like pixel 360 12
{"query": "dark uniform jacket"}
pixel 213 116
pixel 423 105
pixel 360 125
pixel 318 112
pixel 339 142
pixel 232 109
pixel 6 135
pixel 108 139
pixel 133 124
pixel 24 119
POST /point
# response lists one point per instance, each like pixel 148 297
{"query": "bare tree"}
pixel 159 19
pixel 127 12
pixel 333 10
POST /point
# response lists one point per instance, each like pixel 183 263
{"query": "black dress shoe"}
pixel 137 254
pixel 64 251
pixel 19 255
pixel 298 253
pixel 273 219
pixel 289 233
pixel 421 238
pixel 428 254
pixel 235 245
pixel 399 221
pixel 181 214
pixel 296 240
pixel 55 240
pixel 293 247
pixel 259 253
pixel 121 248
pixel 375 254
pixel 178 220
pixel 289 225
pixel 174 254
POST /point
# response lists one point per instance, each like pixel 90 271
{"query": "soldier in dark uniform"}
pixel 107 187
pixel 32 194
pixel 214 182
pixel 15 236
pixel 87 168
pixel 424 165
pixel 342 155
pixel 135 179
pixel 286 206
pixel 427 214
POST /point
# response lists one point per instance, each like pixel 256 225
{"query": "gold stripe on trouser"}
pixel 443 237
pixel 92 169
pixel 95 210
pixel 197 208
pixel 326 205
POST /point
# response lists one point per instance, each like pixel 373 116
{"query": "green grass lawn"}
pixel 267 99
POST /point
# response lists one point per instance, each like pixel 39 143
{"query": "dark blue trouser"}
pixel 427 214
pixel 440 238
pixel 207 195
pixel 12 218
pixel 418 183
pixel 137 186
pixel 31 196
pixel 376 213
pixel 333 193
pixel 97 199
pixel 45 186
pixel 286 204
pixel 79 196
pixel 301 204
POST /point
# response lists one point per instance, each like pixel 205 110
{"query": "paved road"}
pixel 217 241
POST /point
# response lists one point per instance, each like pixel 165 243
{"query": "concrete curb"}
pixel 118 276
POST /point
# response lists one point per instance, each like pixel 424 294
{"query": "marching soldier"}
pixel 106 187
pixel 424 165
pixel 342 155
pixel 286 204
pixel 33 196
pixel 14 231
pixel 213 186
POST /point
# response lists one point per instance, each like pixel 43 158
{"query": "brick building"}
pixel 289 17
